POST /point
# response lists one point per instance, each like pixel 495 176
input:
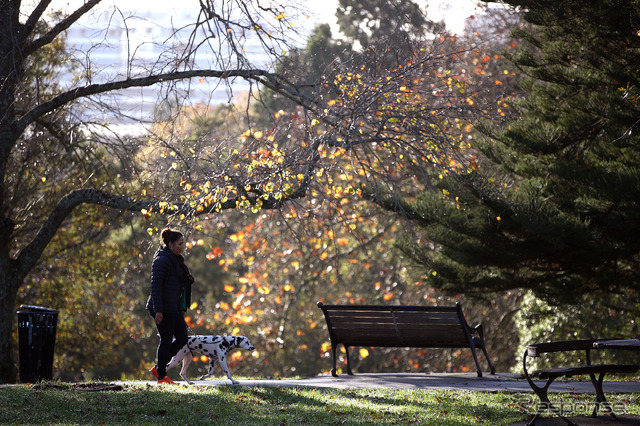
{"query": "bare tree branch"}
pixel 33 19
pixel 57 29
pixel 266 78
pixel 32 252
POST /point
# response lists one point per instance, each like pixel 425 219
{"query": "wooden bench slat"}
pixel 426 329
pixel 424 319
pixel 389 312
pixel 434 339
pixel 373 308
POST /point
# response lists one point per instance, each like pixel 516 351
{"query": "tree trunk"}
pixel 10 281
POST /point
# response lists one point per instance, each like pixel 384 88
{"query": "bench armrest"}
pixel 477 330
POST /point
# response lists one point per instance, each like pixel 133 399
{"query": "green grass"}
pixel 58 403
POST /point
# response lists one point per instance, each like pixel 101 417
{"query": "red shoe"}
pixel 166 381
pixel 154 372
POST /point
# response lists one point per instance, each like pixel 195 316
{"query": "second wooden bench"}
pixel 585 368
pixel 401 326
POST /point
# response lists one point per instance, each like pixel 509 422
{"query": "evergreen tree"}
pixel 552 203
pixel 368 22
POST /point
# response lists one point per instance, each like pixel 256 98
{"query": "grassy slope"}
pixel 179 404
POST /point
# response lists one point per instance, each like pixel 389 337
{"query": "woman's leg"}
pixel 180 333
pixel 165 330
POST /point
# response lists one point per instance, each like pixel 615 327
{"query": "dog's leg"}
pixel 212 361
pixel 186 361
pixel 178 357
pixel 225 368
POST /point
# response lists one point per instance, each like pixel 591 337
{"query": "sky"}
pixel 454 12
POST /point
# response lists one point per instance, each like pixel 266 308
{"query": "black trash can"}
pixel 36 340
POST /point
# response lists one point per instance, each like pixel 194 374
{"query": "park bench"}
pixel 401 326
pixel 550 374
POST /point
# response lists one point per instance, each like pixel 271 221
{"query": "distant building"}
pixel 111 46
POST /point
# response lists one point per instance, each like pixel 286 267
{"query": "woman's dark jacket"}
pixel 170 277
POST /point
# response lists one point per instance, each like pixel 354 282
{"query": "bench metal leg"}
pixel 334 370
pixel 478 343
pixel 475 358
pixel 601 400
pixel 486 355
pixel 545 404
pixel 349 372
pixel 333 353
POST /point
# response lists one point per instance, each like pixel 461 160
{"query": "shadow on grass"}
pixel 254 405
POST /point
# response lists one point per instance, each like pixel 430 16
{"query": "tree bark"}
pixel 9 283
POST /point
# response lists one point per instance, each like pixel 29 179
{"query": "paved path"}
pixel 500 382
pixel 505 382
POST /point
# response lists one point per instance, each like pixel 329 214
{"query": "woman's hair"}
pixel 169 235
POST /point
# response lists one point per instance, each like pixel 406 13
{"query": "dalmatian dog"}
pixel 214 347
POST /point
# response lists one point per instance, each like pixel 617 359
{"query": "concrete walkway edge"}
pixel 500 382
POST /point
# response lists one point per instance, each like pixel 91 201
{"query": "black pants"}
pixel 172 324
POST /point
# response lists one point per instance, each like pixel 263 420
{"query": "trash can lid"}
pixel 38 308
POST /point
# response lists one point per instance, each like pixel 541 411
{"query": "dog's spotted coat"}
pixel 215 348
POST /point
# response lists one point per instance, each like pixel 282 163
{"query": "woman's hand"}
pixel 158 317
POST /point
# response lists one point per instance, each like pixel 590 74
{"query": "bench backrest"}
pixel 537 349
pixel 397 326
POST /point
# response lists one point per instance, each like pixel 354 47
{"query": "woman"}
pixel 170 296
